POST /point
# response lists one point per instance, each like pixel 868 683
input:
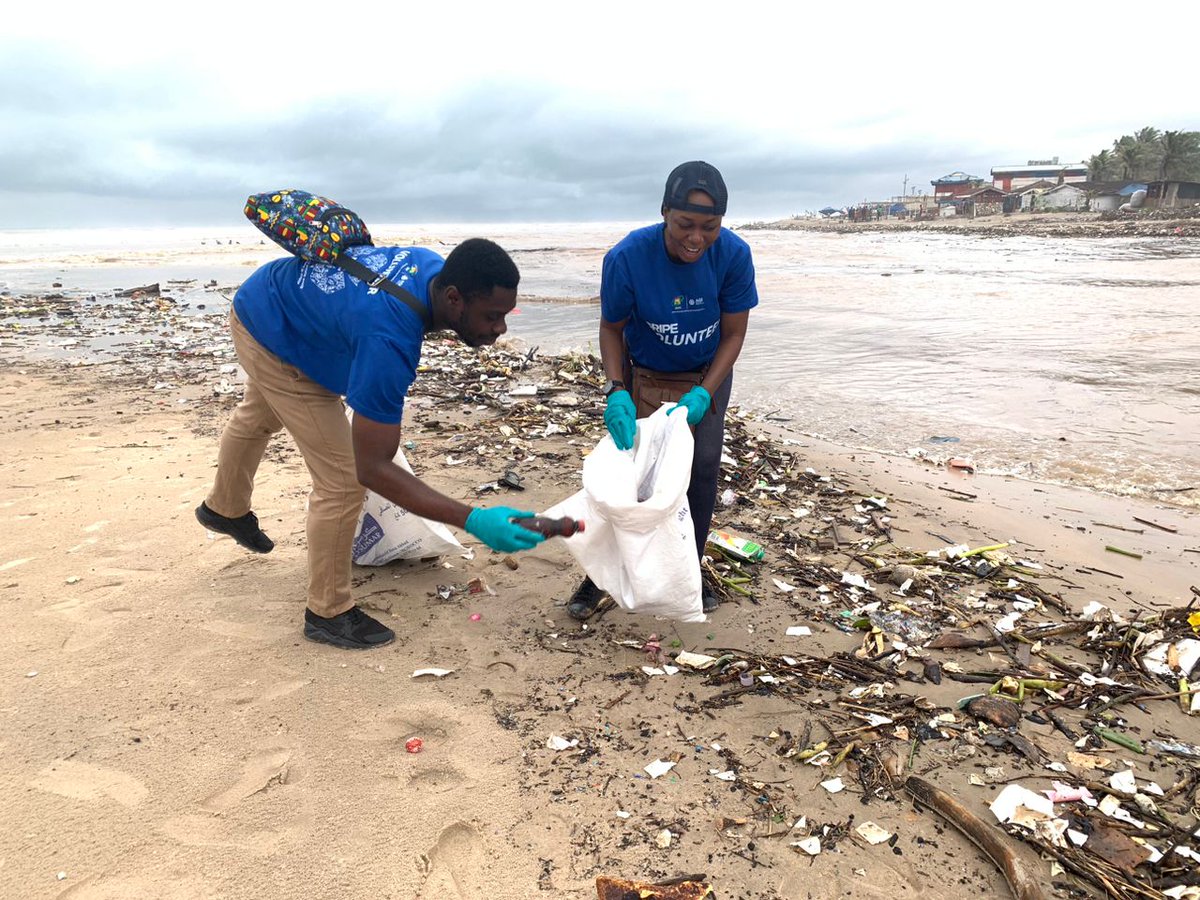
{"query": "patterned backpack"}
pixel 318 230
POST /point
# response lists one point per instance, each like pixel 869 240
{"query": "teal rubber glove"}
pixel 696 402
pixel 494 526
pixel 620 415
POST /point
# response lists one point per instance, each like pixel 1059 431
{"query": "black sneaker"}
pixel 352 630
pixel 708 600
pixel 243 529
pixel 584 601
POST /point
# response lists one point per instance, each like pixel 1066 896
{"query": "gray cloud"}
pixel 159 146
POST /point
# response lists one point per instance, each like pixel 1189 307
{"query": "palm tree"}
pixel 1147 140
pixel 1180 154
pixel 1099 166
pixel 1146 135
pixel 1128 152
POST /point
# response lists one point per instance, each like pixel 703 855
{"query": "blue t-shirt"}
pixel 349 338
pixel 674 309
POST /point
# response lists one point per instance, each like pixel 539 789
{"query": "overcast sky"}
pixel 128 113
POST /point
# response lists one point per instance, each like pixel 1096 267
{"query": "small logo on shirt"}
pixel 682 303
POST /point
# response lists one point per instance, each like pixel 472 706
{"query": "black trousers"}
pixel 648 393
pixel 706 463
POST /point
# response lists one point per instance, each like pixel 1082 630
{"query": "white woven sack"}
pixel 642 552
pixel 388 532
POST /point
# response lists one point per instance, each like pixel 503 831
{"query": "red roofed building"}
pixel 1014 178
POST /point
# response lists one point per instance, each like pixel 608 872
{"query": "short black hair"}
pixel 477 266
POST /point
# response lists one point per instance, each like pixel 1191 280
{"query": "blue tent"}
pixel 827 211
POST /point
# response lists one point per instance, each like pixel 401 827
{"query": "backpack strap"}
pixel 352 266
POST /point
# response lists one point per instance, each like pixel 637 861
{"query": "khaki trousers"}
pixel 281 396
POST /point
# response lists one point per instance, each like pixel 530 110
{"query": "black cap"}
pixel 695 176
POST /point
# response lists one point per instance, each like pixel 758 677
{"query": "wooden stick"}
pixel 1120 527
pixel 1099 571
pixel 1111 549
pixel 1022 880
pixel 1156 525
pixel 960 493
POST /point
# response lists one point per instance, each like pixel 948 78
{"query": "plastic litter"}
pixel 659 767
pixel 810 845
pixel 872 833
pixel 737 547
pixel 562 526
pixel 435 672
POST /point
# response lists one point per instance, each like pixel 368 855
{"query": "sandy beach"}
pixel 167 732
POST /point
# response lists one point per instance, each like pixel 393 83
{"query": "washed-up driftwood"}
pixel 1022 880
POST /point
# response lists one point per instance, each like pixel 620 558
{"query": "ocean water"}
pixel 1057 359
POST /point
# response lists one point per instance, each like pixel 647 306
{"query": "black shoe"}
pixel 708 600
pixel 352 630
pixel 243 529
pixel 585 600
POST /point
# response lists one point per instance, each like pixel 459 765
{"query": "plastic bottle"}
pixel 563 527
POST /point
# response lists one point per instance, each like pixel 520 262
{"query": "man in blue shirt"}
pixel 308 334
pixel 675 299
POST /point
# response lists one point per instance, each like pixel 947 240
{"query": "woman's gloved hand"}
pixel 696 402
pixel 620 415
pixel 494 527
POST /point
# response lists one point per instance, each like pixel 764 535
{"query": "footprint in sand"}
pixel 415 721
pixel 91 630
pixel 83 781
pixel 165 886
pixel 453 867
pixel 437 778
pixel 261 772
pixel 255 694
pixel 205 831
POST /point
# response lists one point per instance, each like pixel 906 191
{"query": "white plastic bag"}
pixel 642 552
pixel 387 532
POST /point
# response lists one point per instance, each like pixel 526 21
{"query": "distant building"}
pixel 986 195
pixel 1014 178
pixel 1172 194
pixel 1064 196
pixel 954 185
pixel 1108 196
pixel 1030 193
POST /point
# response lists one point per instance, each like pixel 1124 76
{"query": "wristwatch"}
pixel 610 386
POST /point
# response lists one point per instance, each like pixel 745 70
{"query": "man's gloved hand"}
pixel 696 402
pixel 492 526
pixel 620 415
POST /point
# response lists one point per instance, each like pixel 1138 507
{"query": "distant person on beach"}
pixel 309 334
pixel 675 299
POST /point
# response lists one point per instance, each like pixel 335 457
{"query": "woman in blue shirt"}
pixel 675 299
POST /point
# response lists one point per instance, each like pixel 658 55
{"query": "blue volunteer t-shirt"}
pixel 674 309
pixel 349 338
